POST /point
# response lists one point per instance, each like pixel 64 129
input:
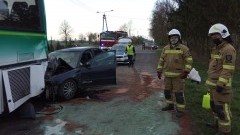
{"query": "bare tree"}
pixel 65 31
pixel 92 37
pixel 126 27
pixel 82 37
pixel 123 27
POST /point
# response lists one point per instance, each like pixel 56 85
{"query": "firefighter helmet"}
pixel 219 28
pixel 174 32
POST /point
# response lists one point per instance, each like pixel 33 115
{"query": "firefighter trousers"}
pixel 220 106
pixel 174 92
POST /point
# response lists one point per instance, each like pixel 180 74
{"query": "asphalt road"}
pixel 132 107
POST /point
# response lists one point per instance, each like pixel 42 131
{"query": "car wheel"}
pixel 68 89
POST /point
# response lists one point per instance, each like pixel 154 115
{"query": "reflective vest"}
pixel 130 50
pixel 174 60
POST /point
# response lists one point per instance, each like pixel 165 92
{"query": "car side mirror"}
pixel 81 64
pixel 87 64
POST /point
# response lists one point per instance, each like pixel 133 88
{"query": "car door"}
pixel 102 69
pixel 85 71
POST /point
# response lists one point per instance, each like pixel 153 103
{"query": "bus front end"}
pixel 23 51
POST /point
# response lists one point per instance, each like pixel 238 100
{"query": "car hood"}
pixel 56 67
pixel 118 53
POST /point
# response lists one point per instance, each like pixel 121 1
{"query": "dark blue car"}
pixel 78 68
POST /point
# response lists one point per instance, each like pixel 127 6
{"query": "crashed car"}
pixel 78 68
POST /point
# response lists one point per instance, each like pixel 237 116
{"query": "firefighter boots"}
pixel 212 125
pixel 168 107
pixel 179 114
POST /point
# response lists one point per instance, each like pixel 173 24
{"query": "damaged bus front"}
pixel 23 51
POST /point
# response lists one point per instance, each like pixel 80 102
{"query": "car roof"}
pixel 126 39
pixel 77 49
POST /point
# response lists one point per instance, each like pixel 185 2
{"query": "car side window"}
pixel 87 56
pixel 97 51
pixel 105 58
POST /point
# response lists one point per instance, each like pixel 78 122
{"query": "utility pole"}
pixel 104 19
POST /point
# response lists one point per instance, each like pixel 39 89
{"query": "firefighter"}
pixel 220 73
pixel 176 63
pixel 130 50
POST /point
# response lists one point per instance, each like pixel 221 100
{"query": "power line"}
pixel 83 5
pixel 129 18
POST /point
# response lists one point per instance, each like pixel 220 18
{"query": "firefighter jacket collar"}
pixel 221 45
pixel 174 46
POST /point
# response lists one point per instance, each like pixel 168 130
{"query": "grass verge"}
pixel 194 93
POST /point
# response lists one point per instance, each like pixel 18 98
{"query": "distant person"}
pixel 220 73
pixel 176 63
pixel 130 50
pixel 143 46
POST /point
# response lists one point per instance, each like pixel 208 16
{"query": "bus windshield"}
pixel 21 15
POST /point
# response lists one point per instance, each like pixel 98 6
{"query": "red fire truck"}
pixel 109 38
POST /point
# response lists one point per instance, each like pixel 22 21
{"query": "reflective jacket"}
pixel 130 50
pixel 174 60
pixel 221 65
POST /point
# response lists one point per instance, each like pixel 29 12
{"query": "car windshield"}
pixel 71 58
pixel 119 47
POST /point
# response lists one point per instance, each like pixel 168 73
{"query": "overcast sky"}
pixel 82 17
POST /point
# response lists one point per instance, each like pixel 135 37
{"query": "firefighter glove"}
pixel 219 89
pixel 184 74
pixel 159 74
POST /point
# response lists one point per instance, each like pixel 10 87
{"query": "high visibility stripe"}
pixel 173 52
pixel 169 102
pixel 188 66
pixel 224 123
pixel 210 83
pixel 159 67
pixel 180 106
pixel 230 67
pixel 10 33
pixel 223 80
pixel 216 56
pixel 214 84
pixel 229 82
pixel 189 59
pixel 227 111
pixel 171 74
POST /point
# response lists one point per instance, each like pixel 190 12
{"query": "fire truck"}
pixel 109 38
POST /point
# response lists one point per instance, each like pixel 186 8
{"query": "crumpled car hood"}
pixel 56 67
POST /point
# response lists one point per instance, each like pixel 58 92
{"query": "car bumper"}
pixel 122 59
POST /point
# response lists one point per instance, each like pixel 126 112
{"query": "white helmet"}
pixel 219 28
pixel 174 32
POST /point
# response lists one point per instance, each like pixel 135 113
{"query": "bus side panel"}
pixel 1 93
pixel 21 47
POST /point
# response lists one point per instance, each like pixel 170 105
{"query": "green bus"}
pixel 23 51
